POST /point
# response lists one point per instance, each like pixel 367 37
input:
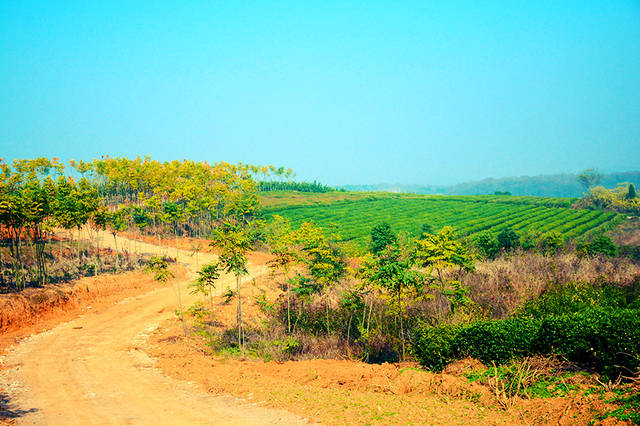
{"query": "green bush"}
pixel 434 346
pixel 609 340
pixel 605 339
pixel 601 244
pixel 508 239
pixel 497 341
pixel 486 244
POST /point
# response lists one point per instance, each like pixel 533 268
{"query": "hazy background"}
pixel 411 92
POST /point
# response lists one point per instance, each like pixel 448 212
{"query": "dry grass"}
pixel 504 284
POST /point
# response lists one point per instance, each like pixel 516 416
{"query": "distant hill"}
pixel 559 185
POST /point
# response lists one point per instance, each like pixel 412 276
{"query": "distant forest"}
pixel 560 185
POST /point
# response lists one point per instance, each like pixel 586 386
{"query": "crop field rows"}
pixel 468 215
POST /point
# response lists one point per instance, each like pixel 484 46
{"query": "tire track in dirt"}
pixel 94 370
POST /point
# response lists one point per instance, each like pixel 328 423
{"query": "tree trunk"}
pixel 239 319
pixel 98 260
pixel 288 307
pixel 115 240
pixel 184 326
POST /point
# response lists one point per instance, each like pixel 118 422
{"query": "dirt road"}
pixel 94 370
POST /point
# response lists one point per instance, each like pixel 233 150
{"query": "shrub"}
pixel 551 242
pixel 508 239
pixel 631 252
pixel 486 244
pixel 434 346
pixel 601 245
pixel 497 341
pixel 381 237
pixel 606 339
pixel 609 340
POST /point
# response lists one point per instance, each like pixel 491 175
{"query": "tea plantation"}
pixel 353 219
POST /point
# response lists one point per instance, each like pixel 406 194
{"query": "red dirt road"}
pixel 94 370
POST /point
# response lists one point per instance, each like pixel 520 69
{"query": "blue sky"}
pixel 343 92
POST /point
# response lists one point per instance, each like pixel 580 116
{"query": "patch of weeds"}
pixel 278 350
pixel 519 378
pixel 629 406
pixel 263 303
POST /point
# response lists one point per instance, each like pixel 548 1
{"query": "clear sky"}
pixel 344 92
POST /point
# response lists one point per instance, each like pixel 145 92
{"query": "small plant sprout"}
pixel 205 283
pixel 160 270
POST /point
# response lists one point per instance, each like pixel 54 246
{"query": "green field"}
pixel 354 215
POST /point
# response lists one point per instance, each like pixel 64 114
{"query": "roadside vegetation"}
pixel 507 296
pixel 49 209
pixel 515 283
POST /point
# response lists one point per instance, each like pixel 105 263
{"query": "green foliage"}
pixel 207 276
pixel 497 341
pixel 468 215
pixel 508 239
pixel 518 378
pixel 628 407
pixel 434 347
pixel 529 240
pixel 551 242
pixel 264 186
pixel 228 296
pixel 486 244
pixel 304 287
pixel 233 240
pixel 590 177
pixel 617 199
pixel 160 269
pixel 325 261
pixel 425 229
pixel 606 339
pixel 601 244
pixel 438 253
pixel 631 252
pixel 381 237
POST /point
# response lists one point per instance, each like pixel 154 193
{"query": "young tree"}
pixel 325 261
pixel 631 194
pixel 160 270
pixel 99 223
pixel 393 271
pixel 281 241
pixel 205 283
pixel 381 237
pixel 438 253
pixel 590 178
pixel 234 240
pixel 508 239
pixel 117 222
pixel 486 244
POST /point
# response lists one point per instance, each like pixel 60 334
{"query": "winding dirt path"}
pixel 94 370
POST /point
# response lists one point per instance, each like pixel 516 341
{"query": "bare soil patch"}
pixel 352 392
pixel 36 309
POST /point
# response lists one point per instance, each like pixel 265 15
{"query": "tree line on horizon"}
pixel 555 185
